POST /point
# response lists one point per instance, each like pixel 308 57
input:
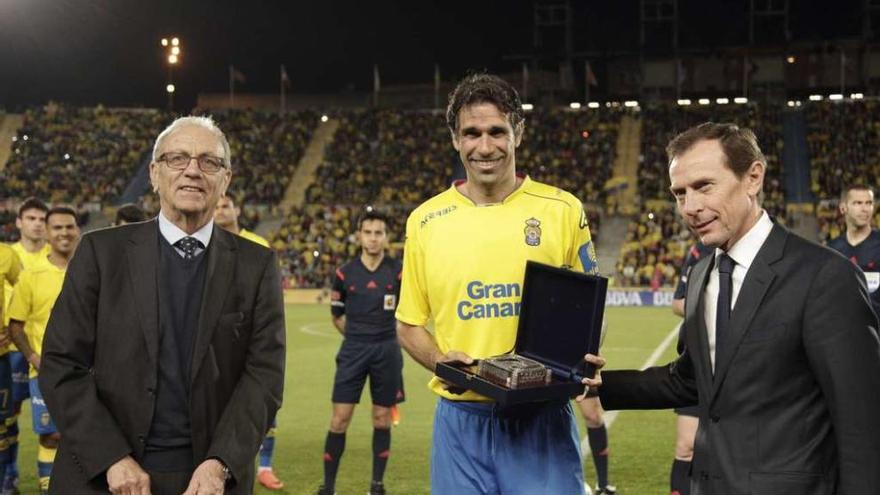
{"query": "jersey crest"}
pixel 533 232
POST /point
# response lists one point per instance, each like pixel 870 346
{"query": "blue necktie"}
pixel 722 311
pixel 188 245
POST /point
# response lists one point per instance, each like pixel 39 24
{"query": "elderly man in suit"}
pixel 163 361
pixel 782 352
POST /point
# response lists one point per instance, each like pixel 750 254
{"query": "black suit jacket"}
pixel 100 355
pixel 793 405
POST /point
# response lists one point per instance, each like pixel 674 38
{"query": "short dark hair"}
pixel 32 203
pixel 62 210
pixel 844 193
pixel 485 88
pixel 371 214
pixel 130 213
pixel 739 144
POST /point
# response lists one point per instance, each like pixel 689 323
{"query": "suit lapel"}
pixel 142 253
pixel 695 320
pixel 758 280
pixel 218 277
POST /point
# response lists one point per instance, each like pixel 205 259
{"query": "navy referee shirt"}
pixel 865 255
pixel 367 299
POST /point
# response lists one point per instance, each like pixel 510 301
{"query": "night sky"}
pixel 107 51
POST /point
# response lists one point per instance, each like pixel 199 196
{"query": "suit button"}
pixel 704 476
pixel 151 391
pixel 715 419
pixel 141 438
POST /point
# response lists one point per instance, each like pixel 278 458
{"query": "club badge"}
pixel 533 232
pixel 390 302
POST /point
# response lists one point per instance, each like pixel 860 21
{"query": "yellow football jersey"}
pixel 35 294
pixel 10 268
pixel 463 264
pixel 253 237
pixel 28 260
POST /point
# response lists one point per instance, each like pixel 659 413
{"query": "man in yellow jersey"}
pixel 10 267
pixel 29 310
pixel 32 251
pixel 226 215
pixel 463 267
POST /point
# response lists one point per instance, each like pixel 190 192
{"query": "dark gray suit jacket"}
pixel 793 405
pixel 100 355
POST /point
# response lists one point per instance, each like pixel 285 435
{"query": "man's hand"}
pixel 207 479
pixel 34 359
pixel 596 381
pixel 126 477
pixel 452 357
pixel 5 338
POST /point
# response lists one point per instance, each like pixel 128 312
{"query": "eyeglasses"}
pixel 179 161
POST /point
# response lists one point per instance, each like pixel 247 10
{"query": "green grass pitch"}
pixel 641 442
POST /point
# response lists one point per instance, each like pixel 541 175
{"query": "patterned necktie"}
pixel 722 311
pixel 188 245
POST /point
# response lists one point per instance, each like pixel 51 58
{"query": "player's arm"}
pixel 840 337
pixel 420 344
pixel 337 301
pixel 19 338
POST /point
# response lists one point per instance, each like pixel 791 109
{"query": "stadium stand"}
pixel 654 249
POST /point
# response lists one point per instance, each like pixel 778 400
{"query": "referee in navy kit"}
pixel 363 301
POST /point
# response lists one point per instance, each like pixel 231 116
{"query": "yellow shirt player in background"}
pixel 226 216
pixel 32 251
pixel 10 267
pixel 35 294
pixel 463 267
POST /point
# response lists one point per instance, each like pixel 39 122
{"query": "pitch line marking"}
pixel 320 330
pixel 610 416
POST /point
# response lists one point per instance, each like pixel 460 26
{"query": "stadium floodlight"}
pixel 324 118
pixel 790 59
pixel 704 101
pixel 175 50
pixel 835 97
pixel 169 88
pixel 740 100
pixel 172 59
pixel 790 103
pixel 575 105
pixel 722 101
pixel 175 41
pixel 25 137
pixel 630 103
pixel 815 97
pixel 164 42
pixel 856 96
pixel 593 104
pixel 684 102
pixel 528 106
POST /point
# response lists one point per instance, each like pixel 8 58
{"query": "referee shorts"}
pixel 381 361
pixel 482 449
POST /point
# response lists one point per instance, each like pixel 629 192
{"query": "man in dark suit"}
pixel 782 352
pixel 163 361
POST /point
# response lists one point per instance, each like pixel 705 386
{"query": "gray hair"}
pixel 201 121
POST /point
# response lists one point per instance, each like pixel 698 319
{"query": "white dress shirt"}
pixel 172 233
pixel 742 253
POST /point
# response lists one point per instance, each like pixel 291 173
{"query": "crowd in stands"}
pixel 266 148
pixel 662 121
pixel 574 150
pixel 315 240
pixel 654 250
pixel 844 144
pixel 387 157
pixel 78 155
